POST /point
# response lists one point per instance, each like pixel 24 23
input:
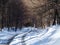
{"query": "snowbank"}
pixel 31 36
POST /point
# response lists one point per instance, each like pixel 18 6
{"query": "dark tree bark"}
pixel 56 13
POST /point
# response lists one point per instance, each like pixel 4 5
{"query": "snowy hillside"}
pixel 31 36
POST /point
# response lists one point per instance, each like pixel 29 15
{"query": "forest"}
pixel 19 13
pixel 29 22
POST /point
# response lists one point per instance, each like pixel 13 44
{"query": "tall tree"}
pixel 56 12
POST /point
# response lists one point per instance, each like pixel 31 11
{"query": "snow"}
pixel 31 36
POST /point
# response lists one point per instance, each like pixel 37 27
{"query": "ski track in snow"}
pixel 31 36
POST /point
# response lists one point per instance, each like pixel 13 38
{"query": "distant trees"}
pixel 56 8
pixel 2 12
pixel 17 13
pixel 10 13
pixel 49 13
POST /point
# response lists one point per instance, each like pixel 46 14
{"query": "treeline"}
pixel 14 14
pixel 9 13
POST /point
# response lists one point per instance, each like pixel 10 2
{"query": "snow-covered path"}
pixel 31 36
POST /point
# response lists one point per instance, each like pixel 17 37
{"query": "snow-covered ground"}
pixel 31 36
